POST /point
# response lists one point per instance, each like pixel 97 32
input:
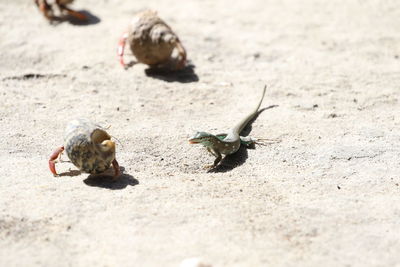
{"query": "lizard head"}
pixel 201 138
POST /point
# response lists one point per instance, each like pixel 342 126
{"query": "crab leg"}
pixel 73 13
pixel 52 159
pixel 182 54
pixel 121 48
pixel 45 8
pixel 116 169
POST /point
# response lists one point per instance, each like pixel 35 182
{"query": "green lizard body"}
pixel 226 143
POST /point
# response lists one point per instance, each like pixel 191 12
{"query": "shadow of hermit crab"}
pixel 185 75
pixel 106 181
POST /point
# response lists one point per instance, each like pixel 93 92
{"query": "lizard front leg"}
pixel 217 160
pixel 217 155
pixel 211 152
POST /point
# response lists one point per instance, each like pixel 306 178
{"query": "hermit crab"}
pixel 48 9
pixel 152 42
pixel 88 146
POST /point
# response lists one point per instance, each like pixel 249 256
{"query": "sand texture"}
pixel 328 194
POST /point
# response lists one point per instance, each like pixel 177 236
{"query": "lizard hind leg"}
pixel 250 142
pixel 247 141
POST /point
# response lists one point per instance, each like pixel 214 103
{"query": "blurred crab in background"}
pixel 62 5
pixel 152 42
pixel 88 146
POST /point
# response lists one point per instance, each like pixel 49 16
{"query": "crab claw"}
pixel 75 14
pixel 52 159
pixel 121 48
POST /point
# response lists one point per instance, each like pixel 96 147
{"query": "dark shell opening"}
pixel 98 136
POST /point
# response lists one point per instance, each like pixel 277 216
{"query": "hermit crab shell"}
pixel 88 146
pixel 151 40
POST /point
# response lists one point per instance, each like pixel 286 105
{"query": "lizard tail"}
pixel 261 100
pixel 240 126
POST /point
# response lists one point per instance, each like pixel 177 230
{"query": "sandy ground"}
pixel 327 195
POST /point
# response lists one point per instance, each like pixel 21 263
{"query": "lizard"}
pixel 227 143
